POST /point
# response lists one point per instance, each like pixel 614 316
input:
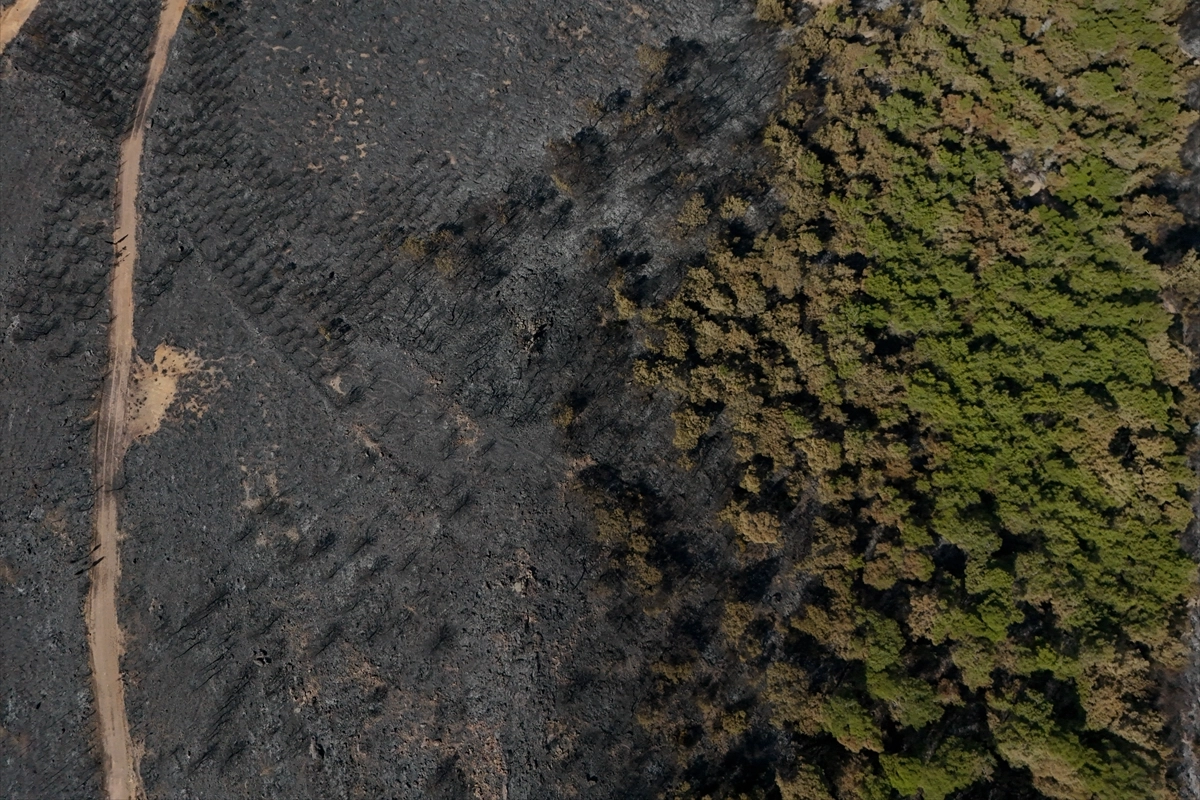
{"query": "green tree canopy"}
pixel 953 341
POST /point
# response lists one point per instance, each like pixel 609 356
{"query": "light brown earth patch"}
pixel 12 18
pixel 154 387
pixel 371 445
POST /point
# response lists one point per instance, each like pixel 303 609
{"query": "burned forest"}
pixel 680 400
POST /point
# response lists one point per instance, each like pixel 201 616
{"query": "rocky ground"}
pixel 358 557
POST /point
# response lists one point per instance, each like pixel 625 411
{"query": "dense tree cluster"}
pixel 953 347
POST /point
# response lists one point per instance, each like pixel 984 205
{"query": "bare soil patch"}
pixel 12 18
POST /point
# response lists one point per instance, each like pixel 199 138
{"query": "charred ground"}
pixel 364 562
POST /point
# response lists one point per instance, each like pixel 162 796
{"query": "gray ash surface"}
pixel 358 565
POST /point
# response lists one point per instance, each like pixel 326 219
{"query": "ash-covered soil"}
pixel 357 558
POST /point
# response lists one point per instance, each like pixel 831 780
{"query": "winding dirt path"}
pixel 122 779
pixel 12 18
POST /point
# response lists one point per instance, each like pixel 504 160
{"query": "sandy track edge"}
pixel 122 778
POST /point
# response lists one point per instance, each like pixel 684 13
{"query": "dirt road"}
pixel 112 440
pixel 12 18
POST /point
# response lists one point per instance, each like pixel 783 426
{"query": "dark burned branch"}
pixel 89 566
pixel 364 541
pixel 199 762
pixel 463 502
pixel 355 603
pixel 331 635
pixel 217 600
pixel 445 769
pixel 445 637
pixel 377 567
pixel 235 750
pixel 325 543
pixel 233 701
pixel 211 674
pixel 190 647
pixel 384 623
pixel 243 532
pixel 218 659
pixel 50 781
pixel 269 624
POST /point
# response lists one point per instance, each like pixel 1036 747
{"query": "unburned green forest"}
pixel 955 358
